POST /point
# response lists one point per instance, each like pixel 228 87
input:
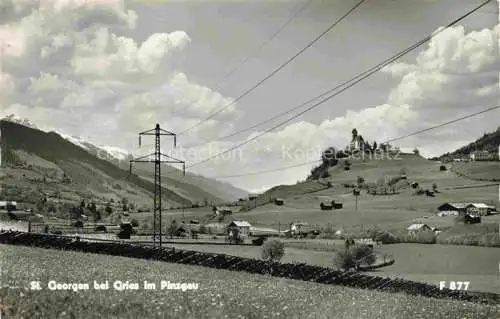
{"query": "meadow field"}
pixel 485 171
pixel 418 262
pixel 220 294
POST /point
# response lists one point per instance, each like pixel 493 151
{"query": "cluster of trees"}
pixel 354 256
pixel 90 209
pixel 329 158
pixel 488 142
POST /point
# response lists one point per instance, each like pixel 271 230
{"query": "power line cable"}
pixel 279 68
pixel 388 141
pixel 374 70
pixel 263 45
pixel 268 170
pixel 376 67
pixel 444 124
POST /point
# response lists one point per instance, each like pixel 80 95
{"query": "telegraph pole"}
pixel 356 192
pixel 157 132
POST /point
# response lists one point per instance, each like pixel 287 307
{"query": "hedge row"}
pixel 221 261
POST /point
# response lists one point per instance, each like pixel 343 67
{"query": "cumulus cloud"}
pixel 455 75
pixel 74 57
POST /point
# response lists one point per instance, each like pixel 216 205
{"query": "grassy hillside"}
pixel 33 159
pixel 220 294
pixel 185 186
pixel 195 187
pixel 482 171
pixel 392 211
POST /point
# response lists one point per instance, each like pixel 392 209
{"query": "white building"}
pixel 414 228
pixel 242 226
pixel 5 204
pixel 481 156
pixel 478 209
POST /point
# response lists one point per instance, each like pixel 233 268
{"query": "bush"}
pixel 385 237
pixel 363 254
pixel 354 256
pixel 273 250
pixel 344 260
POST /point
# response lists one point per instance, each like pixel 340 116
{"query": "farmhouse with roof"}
pixel 242 226
pixel 479 209
pixel 462 209
pixel 452 209
pixel 5 205
pixel 223 210
pixel 414 228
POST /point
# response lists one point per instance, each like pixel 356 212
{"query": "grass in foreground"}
pixel 221 294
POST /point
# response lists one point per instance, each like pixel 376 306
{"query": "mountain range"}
pixel 35 160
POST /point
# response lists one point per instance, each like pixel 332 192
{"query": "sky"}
pixel 105 70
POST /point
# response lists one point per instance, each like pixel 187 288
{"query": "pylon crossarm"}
pixel 161 132
pixel 172 158
pixel 166 132
pixel 171 162
pixel 139 159
pixel 148 132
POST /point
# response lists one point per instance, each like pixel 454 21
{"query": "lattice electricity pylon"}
pixel 157 207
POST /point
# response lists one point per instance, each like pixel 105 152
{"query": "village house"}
pixel 4 205
pixel 462 209
pixel 223 210
pixel 298 228
pixel 326 205
pixel 242 226
pixel 479 209
pixel 481 156
pixel 415 228
pixel 452 209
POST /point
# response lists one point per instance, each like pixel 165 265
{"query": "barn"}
pixel 337 205
pixel 326 205
pixel 242 226
pixel 223 210
pixel 477 209
pixel 453 209
pixel 415 228
pixel 298 228
pixel 6 205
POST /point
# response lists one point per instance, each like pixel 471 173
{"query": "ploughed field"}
pixel 220 294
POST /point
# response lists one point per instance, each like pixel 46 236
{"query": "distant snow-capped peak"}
pixel 75 140
pixel 116 152
pixel 18 120
pixel 102 151
pixel 111 152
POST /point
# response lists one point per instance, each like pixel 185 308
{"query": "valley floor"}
pixel 221 294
